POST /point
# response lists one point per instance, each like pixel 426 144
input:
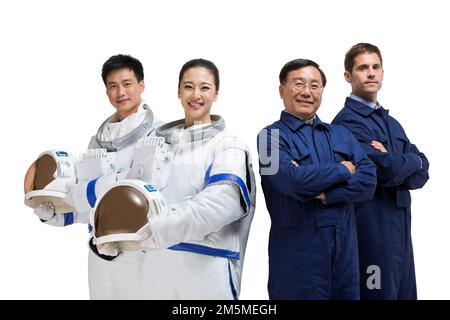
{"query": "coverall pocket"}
pixel 342 152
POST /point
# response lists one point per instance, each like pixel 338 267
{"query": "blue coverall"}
pixel 384 222
pixel 313 251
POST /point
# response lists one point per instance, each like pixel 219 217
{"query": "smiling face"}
pixel 124 91
pixel 197 93
pixel 302 92
pixel 366 77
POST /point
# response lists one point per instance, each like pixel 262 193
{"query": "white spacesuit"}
pixel 106 273
pixel 197 248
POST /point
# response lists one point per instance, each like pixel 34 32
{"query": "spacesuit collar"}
pixel 129 138
pixel 175 133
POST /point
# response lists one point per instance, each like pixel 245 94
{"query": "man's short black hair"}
pixel 121 61
pixel 298 64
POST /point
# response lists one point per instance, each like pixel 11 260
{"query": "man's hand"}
pixel 321 197
pixel 108 249
pixel 379 146
pixel 350 166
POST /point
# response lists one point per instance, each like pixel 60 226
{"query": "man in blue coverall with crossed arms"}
pixel 311 173
pixel 384 222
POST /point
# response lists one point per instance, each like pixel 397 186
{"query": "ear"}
pixel 141 86
pixel 281 90
pixel 348 76
pixel 217 96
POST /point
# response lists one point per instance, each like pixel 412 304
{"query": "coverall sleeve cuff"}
pixel 416 159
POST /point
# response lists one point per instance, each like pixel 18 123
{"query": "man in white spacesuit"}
pixel 123 77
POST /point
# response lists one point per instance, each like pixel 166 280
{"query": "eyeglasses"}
pixel 300 86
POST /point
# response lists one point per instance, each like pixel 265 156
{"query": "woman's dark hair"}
pixel 194 63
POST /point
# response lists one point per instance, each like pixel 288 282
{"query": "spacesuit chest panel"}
pixel 189 164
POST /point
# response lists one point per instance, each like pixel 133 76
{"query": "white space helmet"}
pixel 49 179
pixel 121 213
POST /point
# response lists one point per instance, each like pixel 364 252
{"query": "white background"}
pixel 52 96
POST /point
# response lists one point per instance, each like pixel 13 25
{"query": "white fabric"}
pixel 123 157
pixel 209 217
pixel 151 159
pixel 108 249
pixel 95 163
pixel 116 279
pixel 178 275
pixel 45 211
pixel 119 278
pixel 118 129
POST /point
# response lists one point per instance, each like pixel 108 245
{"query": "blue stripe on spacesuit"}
pixel 90 192
pixel 228 177
pixel 197 248
pixel 68 218
pixel 233 290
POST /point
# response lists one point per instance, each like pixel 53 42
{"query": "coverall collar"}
pixel 366 102
pixel 361 108
pixel 295 123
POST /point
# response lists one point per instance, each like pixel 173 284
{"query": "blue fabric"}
pixel 197 248
pixel 90 228
pixel 90 192
pixel 149 188
pixel 228 177
pixel 233 289
pixel 384 222
pixel 61 154
pixel 68 218
pixel 368 103
pixel 313 246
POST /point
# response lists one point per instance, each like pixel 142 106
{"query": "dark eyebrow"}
pixel 203 83
pixel 115 82
pixel 303 79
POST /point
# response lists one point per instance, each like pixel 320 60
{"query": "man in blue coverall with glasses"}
pixel 311 173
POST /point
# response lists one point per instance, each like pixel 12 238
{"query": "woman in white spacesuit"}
pixel 198 247
pixel 123 76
